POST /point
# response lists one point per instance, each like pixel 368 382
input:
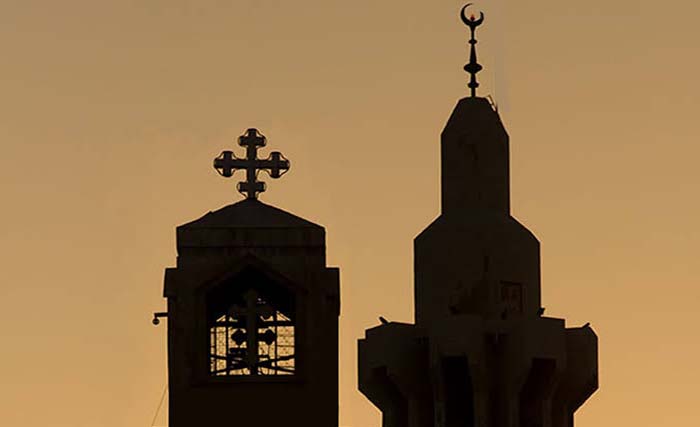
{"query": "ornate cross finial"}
pixel 227 163
pixel 473 66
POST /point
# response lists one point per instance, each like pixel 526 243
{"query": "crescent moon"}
pixel 468 21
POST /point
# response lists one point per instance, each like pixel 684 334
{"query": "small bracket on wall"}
pixel 157 316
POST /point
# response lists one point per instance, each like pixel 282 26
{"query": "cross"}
pixel 227 163
pixel 251 311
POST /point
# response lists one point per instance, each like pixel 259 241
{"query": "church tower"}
pixel 252 312
pixel 481 352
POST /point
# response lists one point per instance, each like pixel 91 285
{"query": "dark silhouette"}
pixel 473 67
pixel 481 353
pixel 252 312
pixel 227 163
pixel 253 309
pixel 157 316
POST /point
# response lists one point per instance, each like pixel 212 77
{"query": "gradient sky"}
pixel 111 112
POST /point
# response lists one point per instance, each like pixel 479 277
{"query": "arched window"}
pixel 251 327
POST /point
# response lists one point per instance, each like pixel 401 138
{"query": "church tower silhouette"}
pixel 252 312
pixel 481 353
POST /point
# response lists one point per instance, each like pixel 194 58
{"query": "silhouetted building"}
pixel 252 312
pixel 481 353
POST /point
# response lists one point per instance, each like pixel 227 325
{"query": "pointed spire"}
pixel 473 67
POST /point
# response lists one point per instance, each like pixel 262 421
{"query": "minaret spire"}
pixel 473 67
pixel 481 352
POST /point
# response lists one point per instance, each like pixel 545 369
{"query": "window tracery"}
pixel 251 334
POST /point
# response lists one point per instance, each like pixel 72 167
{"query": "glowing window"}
pixel 251 335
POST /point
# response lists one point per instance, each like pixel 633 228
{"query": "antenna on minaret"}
pixel 473 67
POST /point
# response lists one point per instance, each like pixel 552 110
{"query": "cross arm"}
pixel 276 165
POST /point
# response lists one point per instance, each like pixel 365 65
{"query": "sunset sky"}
pixel 112 111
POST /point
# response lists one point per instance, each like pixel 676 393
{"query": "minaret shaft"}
pixel 475 160
pixel 475 258
pixel 481 353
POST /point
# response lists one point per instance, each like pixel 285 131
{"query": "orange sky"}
pixel 111 113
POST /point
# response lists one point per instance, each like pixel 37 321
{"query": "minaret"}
pixel 252 312
pixel 481 353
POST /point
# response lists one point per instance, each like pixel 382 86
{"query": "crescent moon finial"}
pixel 473 67
pixel 471 22
pixel 463 14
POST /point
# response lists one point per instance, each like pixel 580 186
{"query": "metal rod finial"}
pixel 473 67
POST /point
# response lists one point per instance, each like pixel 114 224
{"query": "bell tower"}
pixel 252 311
